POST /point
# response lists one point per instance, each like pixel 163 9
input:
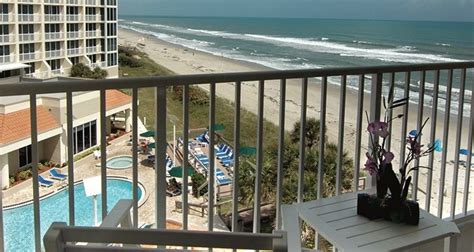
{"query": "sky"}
pixel 432 10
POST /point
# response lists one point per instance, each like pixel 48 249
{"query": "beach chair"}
pixel 54 174
pixel 44 182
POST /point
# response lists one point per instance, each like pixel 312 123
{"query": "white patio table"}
pixel 337 221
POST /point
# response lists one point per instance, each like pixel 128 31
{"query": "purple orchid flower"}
pixel 378 129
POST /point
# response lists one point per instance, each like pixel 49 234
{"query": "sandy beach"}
pixel 188 61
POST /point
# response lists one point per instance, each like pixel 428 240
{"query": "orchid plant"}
pixel 379 158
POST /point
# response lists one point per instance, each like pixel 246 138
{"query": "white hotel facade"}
pixel 53 35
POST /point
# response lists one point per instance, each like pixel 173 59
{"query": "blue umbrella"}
pixel 464 152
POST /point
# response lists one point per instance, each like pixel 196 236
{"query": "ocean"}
pixel 319 43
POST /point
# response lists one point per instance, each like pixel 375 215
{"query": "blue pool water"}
pixel 120 162
pixel 18 221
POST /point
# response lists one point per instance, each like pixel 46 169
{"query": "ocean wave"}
pixel 403 54
pixel 442 44
pixel 362 42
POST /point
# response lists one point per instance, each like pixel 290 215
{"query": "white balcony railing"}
pixel 74 2
pixel 93 18
pixel 29 18
pixel 98 64
pixel 53 18
pixel 74 34
pixel 53 35
pixel 25 1
pixel 73 17
pixel 28 37
pixel 93 49
pixel 53 1
pixel 75 51
pixel 273 88
pixel 7 58
pixel 92 2
pixel 54 54
pixel 29 56
pixel 91 34
pixel 4 18
pixel 7 38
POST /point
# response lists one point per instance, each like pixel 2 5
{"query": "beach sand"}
pixel 188 61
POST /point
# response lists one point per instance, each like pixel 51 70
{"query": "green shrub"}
pixel 198 179
pixel 12 180
pixel 131 61
pixel 82 71
pixel 197 96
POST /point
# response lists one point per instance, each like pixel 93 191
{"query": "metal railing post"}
pixel 281 153
pixel 375 109
pixel 235 183
pixel 160 156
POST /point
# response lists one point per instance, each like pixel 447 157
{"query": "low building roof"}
pixel 17 125
pixel 12 66
pixel 115 99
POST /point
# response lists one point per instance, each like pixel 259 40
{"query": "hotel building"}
pixel 53 35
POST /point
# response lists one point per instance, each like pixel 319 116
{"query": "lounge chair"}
pixel 44 182
pixel 54 174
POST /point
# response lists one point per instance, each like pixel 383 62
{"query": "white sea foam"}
pixel 403 54
pixel 442 44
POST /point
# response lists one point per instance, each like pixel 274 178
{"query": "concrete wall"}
pixel 52 149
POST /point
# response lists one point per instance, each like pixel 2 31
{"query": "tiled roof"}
pixel 115 99
pixel 16 125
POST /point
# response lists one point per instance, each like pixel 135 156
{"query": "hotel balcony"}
pixel 91 34
pixel 270 91
pixel 53 18
pixel 92 2
pixel 74 34
pixel 53 1
pixel 7 58
pixel 8 38
pixel 29 18
pixel 73 18
pixel 54 54
pixel 74 2
pixel 28 1
pixel 93 49
pixel 53 35
pixel 5 18
pixel 98 64
pixel 29 56
pixel 75 51
pixel 93 18
pixel 29 37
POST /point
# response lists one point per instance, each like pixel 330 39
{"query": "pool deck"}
pixel 86 167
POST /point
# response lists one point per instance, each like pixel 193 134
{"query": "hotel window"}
pixel 72 10
pixel 52 28
pixel 3 8
pixel 31 68
pixel 93 58
pixel 51 9
pixel 27 48
pixel 25 9
pixel 112 2
pixel 84 136
pixel 73 44
pixel 72 27
pixel 90 11
pixel 91 43
pixel 90 27
pixel 4 50
pixel 111 59
pixel 53 46
pixel 4 30
pixel 26 29
pixel 111 45
pixel 74 60
pixel 111 14
pixel 54 64
pixel 112 29
pixel 24 155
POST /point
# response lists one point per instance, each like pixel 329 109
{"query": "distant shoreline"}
pixel 182 60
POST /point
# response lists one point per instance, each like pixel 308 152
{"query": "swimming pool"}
pixel 18 221
pixel 120 162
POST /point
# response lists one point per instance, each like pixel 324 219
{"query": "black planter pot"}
pixel 397 211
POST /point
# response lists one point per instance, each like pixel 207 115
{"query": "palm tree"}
pixel 312 132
